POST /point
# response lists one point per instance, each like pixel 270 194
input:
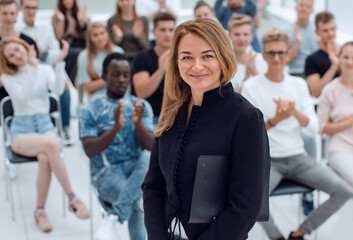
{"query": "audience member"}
pixel 203 9
pixel 224 13
pixel 287 107
pixel 32 132
pixel 335 113
pixel 258 17
pixel 90 60
pixel 49 50
pixel 127 29
pixel 114 128
pixel 322 66
pixel 149 66
pixel 70 23
pixel 249 62
pixel 303 38
pixel 8 17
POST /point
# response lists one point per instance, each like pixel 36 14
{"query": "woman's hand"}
pixel 59 16
pixel 137 28
pixel 64 50
pixel 82 16
pixel 32 56
pixel 117 33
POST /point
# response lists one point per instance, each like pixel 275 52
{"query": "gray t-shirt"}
pixel 307 47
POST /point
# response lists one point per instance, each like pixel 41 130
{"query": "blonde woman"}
pixel 32 131
pixel 202 116
pixel 90 61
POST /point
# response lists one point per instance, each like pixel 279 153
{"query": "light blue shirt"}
pixel 97 117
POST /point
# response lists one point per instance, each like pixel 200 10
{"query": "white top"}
pixel 285 138
pixel 28 88
pixel 82 63
pixel 336 104
pixel 238 79
pixel 43 35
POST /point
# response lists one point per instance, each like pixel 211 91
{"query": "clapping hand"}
pixel 119 116
pixel 32 56
pixel 117 33
pixel 284 110
pixel 137 112
pixel 137 28
pixel 64 50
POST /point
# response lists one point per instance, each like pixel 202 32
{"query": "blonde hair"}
pixel 239 20
pixel 275 35
pixel 92 51
pixel 176 91
pixel 5 66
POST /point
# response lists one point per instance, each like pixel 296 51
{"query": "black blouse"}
pixel 226 124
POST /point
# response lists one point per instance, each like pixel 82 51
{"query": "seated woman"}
pixel 335 114
pixel 32 132
pixel 127 29
pixel 70 23
pixel 90 60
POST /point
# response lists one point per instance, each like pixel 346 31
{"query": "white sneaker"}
pixel 67 140
pixel 106 230
pixel 13 171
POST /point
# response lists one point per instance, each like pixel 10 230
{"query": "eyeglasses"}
pixel 28 8
pixel 272 54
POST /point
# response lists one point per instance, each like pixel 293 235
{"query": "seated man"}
pixel 249 62
pixel 203 9
pixel 321 67
pixel 114 128
pixel 287 107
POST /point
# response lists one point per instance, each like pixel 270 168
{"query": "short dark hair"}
pixel 111 57
pixel 163 16
pixel 323 17
pixel 201 4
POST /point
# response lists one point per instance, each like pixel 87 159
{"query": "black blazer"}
pixel 226 124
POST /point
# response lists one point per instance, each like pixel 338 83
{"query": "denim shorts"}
pixel 37 123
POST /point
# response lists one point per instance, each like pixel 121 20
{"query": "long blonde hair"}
pixel 92 50
pixel 176 91
pixel 5 66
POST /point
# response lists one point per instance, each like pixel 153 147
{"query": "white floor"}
pixel 68 227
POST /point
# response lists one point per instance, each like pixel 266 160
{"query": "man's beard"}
pixel 235 8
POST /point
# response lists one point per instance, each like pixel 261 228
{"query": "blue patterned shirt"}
pixel 97 117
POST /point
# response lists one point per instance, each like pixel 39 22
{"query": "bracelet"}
pixel 269 123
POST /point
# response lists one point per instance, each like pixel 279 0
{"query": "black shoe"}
pixel 281 238
pixel 307 203
pixel 295 238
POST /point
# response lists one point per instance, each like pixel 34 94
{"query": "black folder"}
pixel 210 191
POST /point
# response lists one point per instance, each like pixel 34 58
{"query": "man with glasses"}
pixel 49 49
pixel 287 107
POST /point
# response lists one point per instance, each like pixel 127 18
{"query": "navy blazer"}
pixel 226 124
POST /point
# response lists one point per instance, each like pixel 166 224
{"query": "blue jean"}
pixel 65 108
pixel 120 185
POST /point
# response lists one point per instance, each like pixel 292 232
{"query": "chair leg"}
pixel 91 211
pixel 64 204
pixel 7 179
pixel 11 197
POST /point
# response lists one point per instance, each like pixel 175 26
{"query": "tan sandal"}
pixel 42 220
pixel 77 207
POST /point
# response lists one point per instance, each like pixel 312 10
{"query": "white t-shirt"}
pixel 28 88
pixel 285 138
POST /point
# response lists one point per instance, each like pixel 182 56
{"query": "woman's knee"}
pixel 51 143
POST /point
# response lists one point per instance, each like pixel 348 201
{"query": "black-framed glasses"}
pixel 272 54
pixel 29 8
